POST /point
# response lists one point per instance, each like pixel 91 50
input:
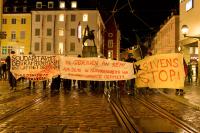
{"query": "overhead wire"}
pixel 132 11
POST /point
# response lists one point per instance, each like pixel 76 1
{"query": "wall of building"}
pixel 94 22
pixel 167 38
pixel 19 45
pixel 191 18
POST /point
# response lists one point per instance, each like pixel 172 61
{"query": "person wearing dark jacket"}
pixel 55 84
pixel 131 82
pixel 4 74
pixel 12 80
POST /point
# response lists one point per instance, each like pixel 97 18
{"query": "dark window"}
pixel 73 17
pixel 37 46
pixel 13 21
pixel 23 21
pixel 73 32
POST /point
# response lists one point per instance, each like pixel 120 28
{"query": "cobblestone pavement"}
pixel 83 111
pixel 185 107
pixel 77 111
pixel 182 111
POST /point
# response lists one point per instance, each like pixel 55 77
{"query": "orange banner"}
pixel 35 67
pixel 96 69
pixel 161 71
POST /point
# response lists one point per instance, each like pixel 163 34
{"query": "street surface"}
pixel 89 111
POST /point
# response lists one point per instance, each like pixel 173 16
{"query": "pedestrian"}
pixel 55 84
pixel 4 70
pixel 31 82
pixel 44 83
pixel 67 83
pixel 181 91
pixel 12 80
pixel 131 83
pixel 190 72
pixel 1 74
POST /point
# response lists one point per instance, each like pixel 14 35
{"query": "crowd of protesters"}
pixel 56 82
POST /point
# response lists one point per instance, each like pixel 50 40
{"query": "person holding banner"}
pixel 12 80
pixel 31 83
pixel 131 83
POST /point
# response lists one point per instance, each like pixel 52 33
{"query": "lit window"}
pixel 49 18
pixel 49 32
pixel 110 43
pixel 22 35
pixel 14 21
pixel 15 9
pixel 110 53
pixel 74 4
pixel 189 5
pixel 6 9
pixel 62 4
pixel 79 31
pixel 37 18
pixel 61 17
pixel 61 47
pixel 50 4
pixel 38 4
pixel 37 46
pixel 85 17
pixel 191 50
pixel 72 46
pixel 4 50
pixel 48 46
pixel 61 32
pixel 23 21
pixel 24 9
pixel 196 50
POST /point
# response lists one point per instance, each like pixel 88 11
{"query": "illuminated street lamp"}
pixel 185 30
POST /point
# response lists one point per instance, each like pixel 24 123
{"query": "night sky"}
pixel 141 18
pixel 137 19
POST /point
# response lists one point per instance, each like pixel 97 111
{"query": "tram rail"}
pixel 33 102
pixel 123 116
pixel 180 123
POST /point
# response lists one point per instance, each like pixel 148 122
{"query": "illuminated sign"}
pixel 189 5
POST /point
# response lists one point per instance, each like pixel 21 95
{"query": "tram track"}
pixel 123 116
pixel 164 113
pixel 33 102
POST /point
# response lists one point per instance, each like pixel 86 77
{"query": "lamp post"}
pixel 185 30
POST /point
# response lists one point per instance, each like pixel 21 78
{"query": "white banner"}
pixel 96 69
pixel 34 67
pixel 161 71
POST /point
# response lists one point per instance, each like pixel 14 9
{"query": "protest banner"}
pixel 95 69
pixel 35 67
pixel 161 71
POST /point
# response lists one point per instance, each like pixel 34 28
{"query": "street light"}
pixel 185 30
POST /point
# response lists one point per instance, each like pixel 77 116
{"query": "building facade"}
pixel 53 27
pixel 190 16
pixel 166 39
pixel 18 29
pixel 112 40
pixel 61 31
pixel 16 23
